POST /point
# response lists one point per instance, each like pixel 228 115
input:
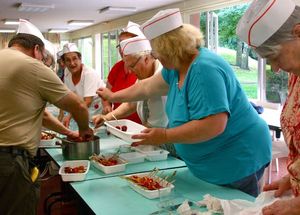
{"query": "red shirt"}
pixel 119 80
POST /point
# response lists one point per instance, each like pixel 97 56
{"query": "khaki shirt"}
pixel 25 86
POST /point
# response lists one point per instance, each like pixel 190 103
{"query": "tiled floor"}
pixel 54 184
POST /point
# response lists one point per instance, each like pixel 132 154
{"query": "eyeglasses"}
pixel 135 63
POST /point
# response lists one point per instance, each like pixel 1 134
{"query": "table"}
pixel 109 142
pixel 272 118
pixel 114 196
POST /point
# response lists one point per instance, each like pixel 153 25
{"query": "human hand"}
pixel 87 134
pixel 151 136
pixel 72 134
pixel 105 93
pixel 280 186
pixel 283 207
pixel 106 109
pixel 98 120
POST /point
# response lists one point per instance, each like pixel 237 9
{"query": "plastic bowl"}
pixel 50 142
pixel 153 153
pixel 133 157
pixel 151 194
pixel 132 128
pixel 119 167
pixel 74 176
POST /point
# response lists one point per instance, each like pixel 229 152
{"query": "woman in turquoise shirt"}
pixel 216 131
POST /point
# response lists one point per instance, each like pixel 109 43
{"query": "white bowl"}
pixel 153 153
pixel 74 176
pixel 110 169
pixel 50 142
pixel 132 128
pixel 133 157
pixel 151 194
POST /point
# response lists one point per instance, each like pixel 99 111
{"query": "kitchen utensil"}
pixel 80 150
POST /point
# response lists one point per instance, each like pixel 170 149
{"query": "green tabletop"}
pixel 113 196
pixel 110 142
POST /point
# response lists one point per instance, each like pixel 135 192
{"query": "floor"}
pixel 54 184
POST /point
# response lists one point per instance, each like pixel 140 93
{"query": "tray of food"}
pixel 149 185
pixel 109 163
pixel 124 129
pixel 47 139
pixel 74 170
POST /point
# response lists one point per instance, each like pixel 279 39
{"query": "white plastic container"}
pixel 151 194
pixel 153 153
pixel 74 176
pixel 110 169
pixel 133 157
pixel 49 143
pixel 132 128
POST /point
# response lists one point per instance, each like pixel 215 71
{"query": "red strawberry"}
pixel 124 128
pixel 96 106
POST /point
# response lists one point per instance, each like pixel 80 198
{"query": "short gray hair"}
pixel 271 46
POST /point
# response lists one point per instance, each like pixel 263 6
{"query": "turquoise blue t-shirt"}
pixel 211 87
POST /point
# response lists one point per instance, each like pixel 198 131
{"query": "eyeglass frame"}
pixel 135 63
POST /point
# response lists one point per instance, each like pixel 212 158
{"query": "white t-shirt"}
pixel 156 107
pixel 89 82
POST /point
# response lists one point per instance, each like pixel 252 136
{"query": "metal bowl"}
pixel 80 150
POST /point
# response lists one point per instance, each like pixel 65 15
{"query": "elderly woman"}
pixel 137 57
pixel 272 28
pixel 215 130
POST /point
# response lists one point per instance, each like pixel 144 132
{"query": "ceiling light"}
pixel 11 21
pixel 7 30
pixel 24 7
pixel 57 30
pixel 81 22
pixel 117 9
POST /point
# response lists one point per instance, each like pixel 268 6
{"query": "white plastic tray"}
pixel 153 153
pixel 110 169
pixel 74 176
pixel 151 194
pixel 132 128
pixel 50 142
pixel 133 157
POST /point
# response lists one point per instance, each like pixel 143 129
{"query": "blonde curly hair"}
pixel 178 45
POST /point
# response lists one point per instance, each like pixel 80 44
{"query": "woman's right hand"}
pixel 280 186
pixel 105 93
pixel 98 120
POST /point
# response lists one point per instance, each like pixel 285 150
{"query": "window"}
pixel 85 46
pixel 256 78
pixel 110 54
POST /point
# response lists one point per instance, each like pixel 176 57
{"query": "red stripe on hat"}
pixel 133 41
pixel 159 19
pixel 249 32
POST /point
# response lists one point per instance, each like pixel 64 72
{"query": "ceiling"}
pixel 66 10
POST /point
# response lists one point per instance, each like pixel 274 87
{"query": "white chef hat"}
pixel 70 47
pixel 262 19
pixel 59 54
pixel 26 27
pixel 50 48
pixel 135 45
pixel 133 28
pixel 162 22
